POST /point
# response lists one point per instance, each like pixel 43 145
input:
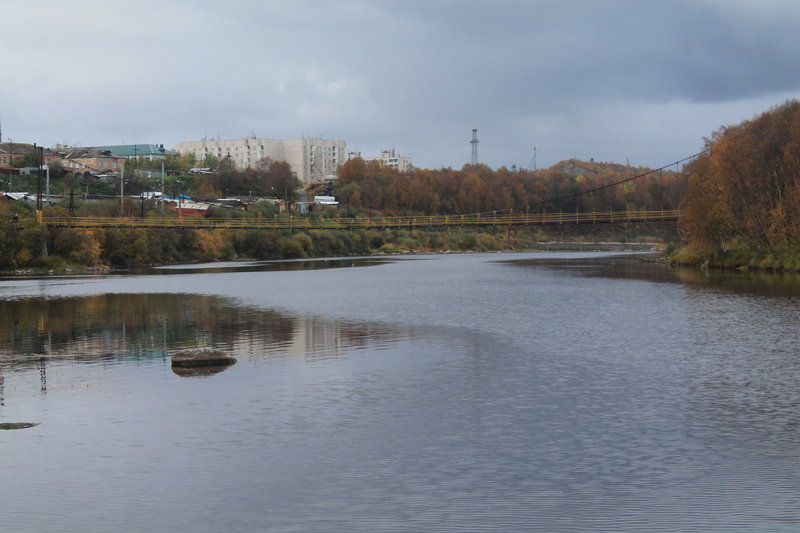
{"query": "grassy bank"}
pixel 736 256
pixel 32 246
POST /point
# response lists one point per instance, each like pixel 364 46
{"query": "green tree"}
pixel 210 161
pixel 345 193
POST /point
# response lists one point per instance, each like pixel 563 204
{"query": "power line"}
pixel 626 180
pixel 602 187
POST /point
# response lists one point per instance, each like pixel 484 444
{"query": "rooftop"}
pixel 136 150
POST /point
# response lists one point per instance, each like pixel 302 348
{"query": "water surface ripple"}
pixel 498 392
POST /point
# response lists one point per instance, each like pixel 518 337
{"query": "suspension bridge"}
pixel 291 222
pixel 299 223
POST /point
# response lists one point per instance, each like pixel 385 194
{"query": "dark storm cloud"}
pixel 573 50
pixel 608 79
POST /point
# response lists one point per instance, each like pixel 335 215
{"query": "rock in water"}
pixel 17 425
pixel 199 371
pixel 196 358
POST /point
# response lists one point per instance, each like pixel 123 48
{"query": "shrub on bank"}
pixel 26 244
pixel 77 246
pixel 689 256
pixel 260 244
pixel 297 246
pixel 736 255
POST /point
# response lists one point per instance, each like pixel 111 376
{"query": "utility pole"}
pixel 10 165
pixel 162 188
pixel 121 188
pixel 474 143
pixel 37 152
pixel 40 212
pixel 47 186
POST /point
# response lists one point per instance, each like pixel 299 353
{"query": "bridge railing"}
pixel 422 222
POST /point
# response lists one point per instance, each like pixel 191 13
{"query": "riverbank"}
pixel 552 246
pixel 599 247
pixel 736 257
pixel 69 249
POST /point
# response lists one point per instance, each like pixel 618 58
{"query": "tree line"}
pixel 364 188
pixel 742 206
pixel 741 200
pixel 26 244
pixel 478 188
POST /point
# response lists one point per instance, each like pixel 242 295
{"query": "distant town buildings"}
pixel 92 160
pixel 11 151
pixel 388 158
pixel 77 160
pixel 311 160
pixel 98 160
pixel 150 152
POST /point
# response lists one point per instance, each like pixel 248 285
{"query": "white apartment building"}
pixel 311 160
pixel 388 158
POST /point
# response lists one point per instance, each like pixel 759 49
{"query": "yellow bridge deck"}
pixel 420 222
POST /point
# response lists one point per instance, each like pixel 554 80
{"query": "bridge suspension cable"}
pixel 620 182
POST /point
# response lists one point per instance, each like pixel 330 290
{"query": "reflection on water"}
pixel 113 328
pixel 228 267
pixel 282 265
pixel 651 267
pixel 456 393
pixel 199 371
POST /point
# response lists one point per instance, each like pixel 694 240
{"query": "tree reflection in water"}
pixel 114 328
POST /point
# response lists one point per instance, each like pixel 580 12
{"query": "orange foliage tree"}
pixel 478 188
pixel 746 189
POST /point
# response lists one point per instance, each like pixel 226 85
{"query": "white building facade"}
pixel 311 160
pixel 388 158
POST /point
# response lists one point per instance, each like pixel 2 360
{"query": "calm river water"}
pixel 498 392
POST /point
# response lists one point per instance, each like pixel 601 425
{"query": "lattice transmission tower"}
pixel 474 143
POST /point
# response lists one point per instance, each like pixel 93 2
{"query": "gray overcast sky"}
pixel 614 80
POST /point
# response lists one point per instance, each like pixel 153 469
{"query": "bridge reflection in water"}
pixel 435 221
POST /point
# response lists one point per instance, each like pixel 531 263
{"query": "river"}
pixel 553 392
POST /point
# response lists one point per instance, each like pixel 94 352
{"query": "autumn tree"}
pixel 747 189
pixel 478 188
